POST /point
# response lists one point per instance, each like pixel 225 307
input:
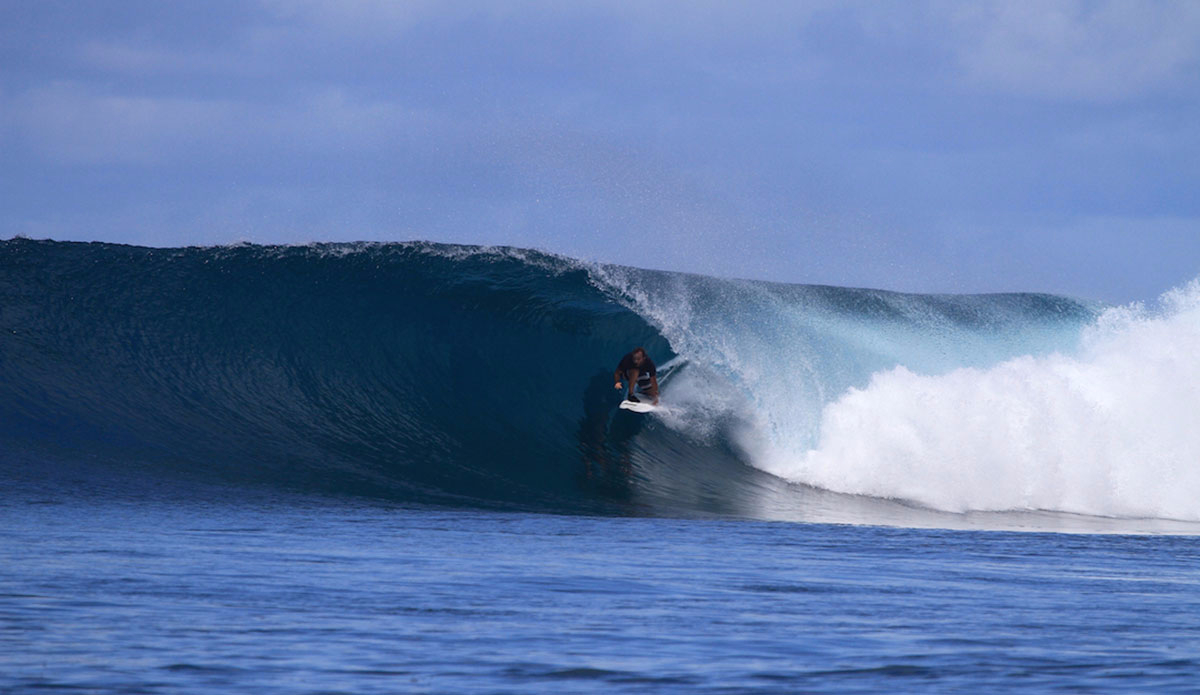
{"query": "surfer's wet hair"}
pixel 642 350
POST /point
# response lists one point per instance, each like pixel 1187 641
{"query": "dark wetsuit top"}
pixel 645 371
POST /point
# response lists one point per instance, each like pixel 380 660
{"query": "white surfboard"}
pixel 664 372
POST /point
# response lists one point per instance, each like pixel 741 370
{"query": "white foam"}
pixel 1111 430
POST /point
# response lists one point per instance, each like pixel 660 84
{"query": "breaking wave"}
pixel 483 376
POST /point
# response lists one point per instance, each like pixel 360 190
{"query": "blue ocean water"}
pixel 400 468
pixel 295 595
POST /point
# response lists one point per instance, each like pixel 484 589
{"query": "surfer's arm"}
pixel 617 378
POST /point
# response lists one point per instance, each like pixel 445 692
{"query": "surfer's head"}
pixel 639 355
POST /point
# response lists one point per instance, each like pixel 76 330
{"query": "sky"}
pixel 918 146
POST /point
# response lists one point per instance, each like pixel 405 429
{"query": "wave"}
pixel 483 376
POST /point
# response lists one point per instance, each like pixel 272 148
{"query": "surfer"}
pixel 639 369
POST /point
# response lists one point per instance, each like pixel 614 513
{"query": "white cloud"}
pixel 74 124
pixel 80 124
pixel 1070 49
pixel 125 58
pixel 365 19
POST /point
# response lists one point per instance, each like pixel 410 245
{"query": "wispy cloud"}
pixel 1069 49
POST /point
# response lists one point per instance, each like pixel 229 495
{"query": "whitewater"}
pixel 1106 429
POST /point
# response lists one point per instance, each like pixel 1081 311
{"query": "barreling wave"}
pixel 483 377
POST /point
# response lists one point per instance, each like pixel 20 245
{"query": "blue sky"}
pixel 923 146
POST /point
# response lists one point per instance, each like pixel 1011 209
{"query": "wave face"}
pixel 482 376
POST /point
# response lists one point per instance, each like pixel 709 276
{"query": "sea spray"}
pixel 1109 429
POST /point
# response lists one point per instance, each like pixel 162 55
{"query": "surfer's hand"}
pixel 617 385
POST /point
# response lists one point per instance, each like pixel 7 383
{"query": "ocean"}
pixel 357 468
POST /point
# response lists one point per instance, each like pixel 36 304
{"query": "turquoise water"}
pixel 315 595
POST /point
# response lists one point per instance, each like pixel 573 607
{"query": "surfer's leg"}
pixel 632 376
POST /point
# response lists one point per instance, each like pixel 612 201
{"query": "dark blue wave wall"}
pixel 413 371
